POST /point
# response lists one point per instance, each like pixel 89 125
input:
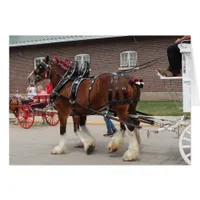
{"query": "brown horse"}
pixel 13 107
pixel 99 92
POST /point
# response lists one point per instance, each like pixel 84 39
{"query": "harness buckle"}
pixel 71 101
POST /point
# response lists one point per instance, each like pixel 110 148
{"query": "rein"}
pixel 96 112
pixel 140 67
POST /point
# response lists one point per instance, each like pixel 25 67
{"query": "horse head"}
pixel 42 71
pixel 13 105
pixel 45 69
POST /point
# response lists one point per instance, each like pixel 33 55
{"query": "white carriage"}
pixel 182 126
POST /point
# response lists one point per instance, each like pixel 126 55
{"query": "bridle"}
pixel 46 69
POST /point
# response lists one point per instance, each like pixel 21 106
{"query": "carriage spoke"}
pixel 188 155
pixel 189 132
pixel 25 117
pixel 52 118
pixel 186 146
pixel 186 139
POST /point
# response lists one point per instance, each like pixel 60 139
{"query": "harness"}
pixel 71 75
pixel 74 88
pixel 126 100
pixel 115 77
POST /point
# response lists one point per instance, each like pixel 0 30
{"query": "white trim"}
pixel 80 58
pixel 127 62
pixel 125 68
pixel 169 78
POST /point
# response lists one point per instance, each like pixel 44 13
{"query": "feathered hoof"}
pixel 128 157
pixel 111 149
pixel 57 150
pixel 90 149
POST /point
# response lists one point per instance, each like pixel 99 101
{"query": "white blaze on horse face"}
pixel 61 148
pixel 133 149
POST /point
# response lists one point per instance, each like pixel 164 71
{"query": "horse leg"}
pixel 133 116
pixel 117 140
pixel 122 127
pixel 14 109
pixel 133 150
pixel 76 121
pixel 15 113
pixel 87 140
pixel 43 120
pixel 134 141
pixel 61 148
pixel 134 147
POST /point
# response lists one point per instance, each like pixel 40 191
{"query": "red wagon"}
pixel 38 107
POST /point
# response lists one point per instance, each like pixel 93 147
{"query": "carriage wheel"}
pixel 25 117
pixel 185 144
pixel 52 118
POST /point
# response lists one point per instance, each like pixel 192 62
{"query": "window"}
pixel 37 61
pixel 128 59
pixel 81 58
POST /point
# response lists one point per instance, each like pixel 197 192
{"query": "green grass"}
pixel 161 108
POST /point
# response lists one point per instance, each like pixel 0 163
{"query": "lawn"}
pixel 161 108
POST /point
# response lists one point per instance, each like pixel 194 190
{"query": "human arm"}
pixel 186 37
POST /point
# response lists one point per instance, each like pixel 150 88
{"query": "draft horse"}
pixel 108 90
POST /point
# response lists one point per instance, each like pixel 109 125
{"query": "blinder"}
pixel 41 68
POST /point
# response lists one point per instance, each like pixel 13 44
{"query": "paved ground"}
pixel 33 147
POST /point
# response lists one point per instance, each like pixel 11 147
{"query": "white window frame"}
pixel 81 58
pixel 128 63
pixel 35 61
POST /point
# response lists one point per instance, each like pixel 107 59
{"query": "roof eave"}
pixel 60 41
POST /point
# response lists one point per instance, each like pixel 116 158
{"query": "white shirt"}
pixel 31 92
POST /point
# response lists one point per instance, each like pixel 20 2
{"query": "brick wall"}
pixel 104 55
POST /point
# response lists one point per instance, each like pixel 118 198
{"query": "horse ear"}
pixel 47 59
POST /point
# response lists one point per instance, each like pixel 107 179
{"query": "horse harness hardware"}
pixel 76 83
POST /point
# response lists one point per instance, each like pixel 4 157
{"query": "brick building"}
pixel 104 55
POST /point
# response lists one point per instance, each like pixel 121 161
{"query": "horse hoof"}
pixel 90 149
pixel 111 150
pixel 58 150
pixel 128 160
pixel 128 157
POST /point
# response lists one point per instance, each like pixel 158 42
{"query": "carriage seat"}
pixel 26 101
pixel 41 98
pixel 41 101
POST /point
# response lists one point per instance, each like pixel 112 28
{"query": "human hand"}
pixel 178 40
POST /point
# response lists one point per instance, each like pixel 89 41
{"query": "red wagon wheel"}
pixel 25 116
pixel 51 117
